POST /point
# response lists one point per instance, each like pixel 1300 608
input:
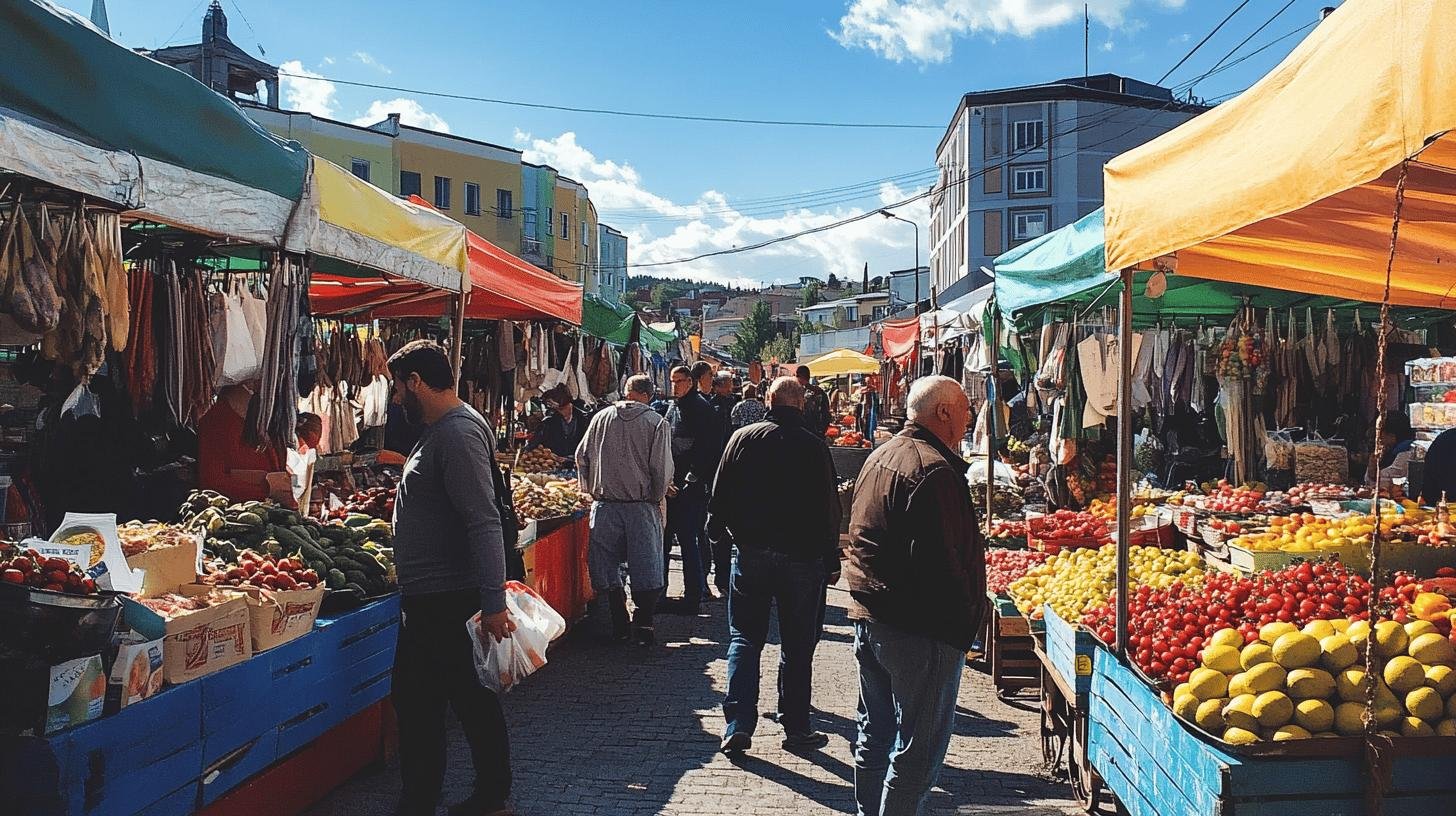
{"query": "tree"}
pixel 810 296
pixel 661 297
pixel 839 318
pixel 833 281
pixel 781 348
pixel 753 332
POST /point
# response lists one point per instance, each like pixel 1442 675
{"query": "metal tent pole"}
pixel 1124 455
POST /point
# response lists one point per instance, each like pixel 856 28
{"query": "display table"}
pixel 189 745
pixel 556 567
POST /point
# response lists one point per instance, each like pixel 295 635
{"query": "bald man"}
pixel 917 585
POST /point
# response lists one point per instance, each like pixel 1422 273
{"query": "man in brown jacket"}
pixel 917 585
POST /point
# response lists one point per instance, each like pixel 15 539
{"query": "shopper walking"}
pixel 816 403
pixel 696 444
pixel 625 463
pixel 780 561
pixel 449 556
pixel 750 410
pixel 917 585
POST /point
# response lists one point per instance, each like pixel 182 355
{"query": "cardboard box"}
pixel 167 568
pixel 278 616
pixel 77 693
pixel 196 643
pixel 137 672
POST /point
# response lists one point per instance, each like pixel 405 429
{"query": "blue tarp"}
pixel 1056 266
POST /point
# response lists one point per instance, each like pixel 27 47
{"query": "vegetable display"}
pixel 1005 566
pixel 1075 580
pixel 29 568
pixel 539 496
pixel 262 571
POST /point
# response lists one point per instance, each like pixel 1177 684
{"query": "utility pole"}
pixel 1086 38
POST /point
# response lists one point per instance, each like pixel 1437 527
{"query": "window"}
pixel 1029 134
pixel 585 238
pixel 528 221
pixel 504 206
pixel 1029 180
pixel 360 168
pixel 565 227
pixel 991 233
pixel 409 183
pixel 472 198
pixel 991 180
pixel 1029 224
pixel 442 193
pixel 550 221
pixel 851 313
pixel 995 132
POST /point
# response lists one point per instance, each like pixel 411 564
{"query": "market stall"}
pixel 1206 679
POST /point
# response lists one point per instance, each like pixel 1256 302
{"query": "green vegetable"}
pixel 336 579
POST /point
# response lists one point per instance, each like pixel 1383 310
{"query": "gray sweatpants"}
pixel 630 532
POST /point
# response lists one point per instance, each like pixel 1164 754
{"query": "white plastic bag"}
pixel 501 665
pixel 241 360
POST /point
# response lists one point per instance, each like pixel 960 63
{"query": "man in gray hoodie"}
pixel 625 463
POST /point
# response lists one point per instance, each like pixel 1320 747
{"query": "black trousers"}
pixel 434 666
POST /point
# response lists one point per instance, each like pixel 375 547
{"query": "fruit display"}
pixel 1307 533
pixel 1005 530
pixel 1168 626
pixel 1006 500
pixel 375 502
pixel 1302 494
pixel 1223 497
pixel 1291 683
pixel 170 605
pixel 355 554
pixel 535 460
pixel 139 536
pixel 1076 580
pixel 29 568
pixel 539 496
pixel 1107 509
pixel 1005 566
pixel 1066 528
pixel 262 571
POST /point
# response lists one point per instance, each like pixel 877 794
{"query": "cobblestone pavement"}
pixel 607 729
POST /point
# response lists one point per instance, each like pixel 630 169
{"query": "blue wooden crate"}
pixel 368 681
pixel 180 802
pixel 237 767
pixel 1158 767
pixel 1069 650
pixel 118 764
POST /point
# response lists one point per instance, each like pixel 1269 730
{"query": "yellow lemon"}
pixel 1226 637
pixel 1306 684
pixel 1319 629
pixel 1239 713
pixel 1390 639
pixel 1416 628
pixel 1350 685
pixel 1256 653
pixel 1415 727
pixel 1404 673
pixel 1432 649
pixel 1295 650
pixel 1442 679
pixel 1223 659
pixel 1314 715
pixel 1425 703
pixel 1239 736
pixel 1350 718
pixel 1337 652
pixel 1209 715
pixel 1273 709
pixel 1284 733
pixel 1270 632
pixel 1185 706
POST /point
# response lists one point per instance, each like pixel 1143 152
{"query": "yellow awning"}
pixel 1291 185
pixel 839 362
pixel 362 224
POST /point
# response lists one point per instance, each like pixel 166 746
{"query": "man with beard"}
pixel 449 556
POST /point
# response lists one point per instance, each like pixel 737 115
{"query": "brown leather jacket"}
pixel 916 560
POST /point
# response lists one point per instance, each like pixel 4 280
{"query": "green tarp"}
pixel 616 323
pixel 1064 269
pixel 57 69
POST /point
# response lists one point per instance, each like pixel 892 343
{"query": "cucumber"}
pixel 336 579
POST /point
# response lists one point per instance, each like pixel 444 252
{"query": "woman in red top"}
pixel 226 463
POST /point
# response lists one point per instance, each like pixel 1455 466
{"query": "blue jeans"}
pixel 687 514
pixel 907 701
pixel 761 580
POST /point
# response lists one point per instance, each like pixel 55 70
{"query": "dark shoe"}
pixel 645 637
pixel 771 716
pixel 736 743
pixel 679 606
pixel 807 741
pixel 474 807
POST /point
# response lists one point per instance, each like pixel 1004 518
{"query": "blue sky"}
pixel 679 188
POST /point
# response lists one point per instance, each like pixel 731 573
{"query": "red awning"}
pixel 503 287
pixel 898 337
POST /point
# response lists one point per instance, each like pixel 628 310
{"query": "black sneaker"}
pixel 809 740
pixel 736 743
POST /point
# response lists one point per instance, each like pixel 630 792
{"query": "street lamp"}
pixel 888 214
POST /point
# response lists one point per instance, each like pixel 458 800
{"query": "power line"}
pixel 612 112
pixel 190 16
pixel 1254 53
pixel 790 197
pixel 1245 41
pixel 1205 39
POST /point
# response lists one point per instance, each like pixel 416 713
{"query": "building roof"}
pixel 363 129
pixel 1109 88
pixel 852 300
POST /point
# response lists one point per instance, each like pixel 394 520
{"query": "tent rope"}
pixel 1377 746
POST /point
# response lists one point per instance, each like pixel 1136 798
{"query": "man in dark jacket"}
pixel 917 584
pixel 563 428
pixel 696 446
pixel 816 404
pixel 779 559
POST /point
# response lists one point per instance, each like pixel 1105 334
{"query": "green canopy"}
pixel 1064 269
pixel 59 70
pixel 609 321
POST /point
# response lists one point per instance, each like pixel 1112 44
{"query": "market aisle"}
pixel 608 730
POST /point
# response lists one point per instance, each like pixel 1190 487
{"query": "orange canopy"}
pixel 1292 184
pixel 503 287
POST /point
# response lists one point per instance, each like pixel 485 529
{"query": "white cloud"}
pixel 368 59
pixel 315 96
pixel 328 60
pixel 410 112
pixel 660 229
pixel 1108 45
pixel 925 31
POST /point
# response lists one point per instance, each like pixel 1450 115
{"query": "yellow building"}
pixel 366 153
pixel 567 260
pixel 476 183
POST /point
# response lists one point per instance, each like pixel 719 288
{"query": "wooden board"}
pixel 1069 653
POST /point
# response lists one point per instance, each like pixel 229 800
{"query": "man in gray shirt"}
pixel 625 463
pixel 450 560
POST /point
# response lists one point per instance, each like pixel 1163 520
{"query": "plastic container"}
pixel 57 626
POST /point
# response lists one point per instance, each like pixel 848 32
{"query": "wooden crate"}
pixel 1069 650
pixel 1157 767
pixel 1014 666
